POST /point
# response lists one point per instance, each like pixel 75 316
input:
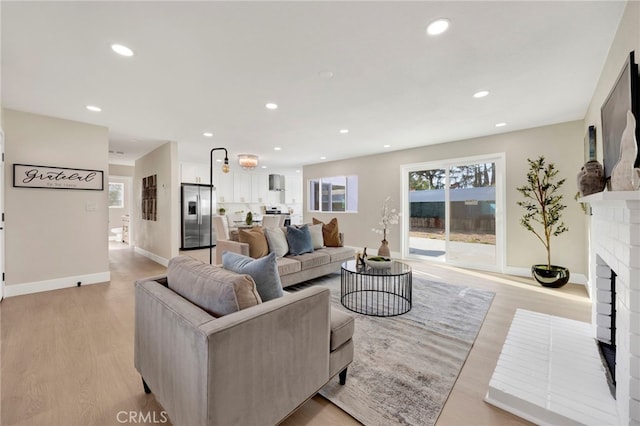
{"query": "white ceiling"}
pixel 212 66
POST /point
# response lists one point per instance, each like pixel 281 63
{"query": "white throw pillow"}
pixel 277 241
pixel 316 236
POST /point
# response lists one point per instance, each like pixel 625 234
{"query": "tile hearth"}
pixel 550 372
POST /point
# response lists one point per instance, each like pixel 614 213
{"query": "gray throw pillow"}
pixel 264 272
pixel 299 240
pixel 212 288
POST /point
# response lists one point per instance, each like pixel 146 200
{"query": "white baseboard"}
pixel 55 284
pixel 152 256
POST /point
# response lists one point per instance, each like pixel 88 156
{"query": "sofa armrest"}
pixel 170 350
pixel 232 246
pixel 267 360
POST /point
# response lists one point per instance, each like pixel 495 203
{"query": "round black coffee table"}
pixel 376 292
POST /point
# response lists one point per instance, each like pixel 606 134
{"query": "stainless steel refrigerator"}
pixel 196 216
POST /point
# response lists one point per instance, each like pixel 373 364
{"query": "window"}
pixel 116 195
pixel 334 194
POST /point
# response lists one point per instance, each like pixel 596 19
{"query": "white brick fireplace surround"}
pixel 615 243
pixel 559 379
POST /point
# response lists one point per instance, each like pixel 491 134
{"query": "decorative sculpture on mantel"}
pixel 624 177
pixel 591 178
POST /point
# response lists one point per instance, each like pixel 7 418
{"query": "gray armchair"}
pixel 254 366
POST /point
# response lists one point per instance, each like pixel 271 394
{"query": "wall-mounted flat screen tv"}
pixel 622 98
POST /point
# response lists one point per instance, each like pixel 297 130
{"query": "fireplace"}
pixel 605 307
pixel 615 270
pixel 550 370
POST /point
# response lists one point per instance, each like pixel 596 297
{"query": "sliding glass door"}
pixel 453 211
pixel 427 213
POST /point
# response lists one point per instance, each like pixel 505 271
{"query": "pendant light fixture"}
pixel 248 161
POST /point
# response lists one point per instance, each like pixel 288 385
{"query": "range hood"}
pixel 276 183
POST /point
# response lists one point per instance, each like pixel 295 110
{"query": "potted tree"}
pixel 543 205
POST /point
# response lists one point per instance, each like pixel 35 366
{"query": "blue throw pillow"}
pixel 264 272
pixel 299 240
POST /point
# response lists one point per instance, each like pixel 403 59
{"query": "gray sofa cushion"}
pixel 338 254
pixel 264 272
pixel 342 327
pixel 216 290
pixel 311 260
pixel 288 266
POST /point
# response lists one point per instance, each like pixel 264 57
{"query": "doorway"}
pixel 453 211
pixel 120 231
pixel 1 214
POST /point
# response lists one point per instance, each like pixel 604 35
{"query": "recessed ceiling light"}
pixel 386 146
pixel 438 27
pixel 344 131
pixel 323 158
pixel 271 105
pixel 481 94
pixel 501 124
pixel 276 148
pixel 93 108
pixel 325 75
pixel 218 160
pixel 264 167
pixel 207 134
pixel 121 50
pixel 297 171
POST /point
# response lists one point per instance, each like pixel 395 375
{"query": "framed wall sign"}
pixel 30 176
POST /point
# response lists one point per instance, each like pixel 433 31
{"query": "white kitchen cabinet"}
pixel 260 188
pixel 296 219
pixel 224 183
pixel 194 173
pixel 242 187
pixel 293 189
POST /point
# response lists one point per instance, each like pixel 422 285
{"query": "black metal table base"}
pixel 376 293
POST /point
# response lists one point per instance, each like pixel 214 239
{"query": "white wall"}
pixel 52 239
pixel 159 240
pixel 379 176
pixel 627 39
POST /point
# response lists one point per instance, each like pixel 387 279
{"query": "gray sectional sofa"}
pixel 296 269
pixel 213 353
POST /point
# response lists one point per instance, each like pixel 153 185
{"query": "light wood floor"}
pixel 67 355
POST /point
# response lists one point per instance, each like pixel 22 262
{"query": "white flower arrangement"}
pixel 389 217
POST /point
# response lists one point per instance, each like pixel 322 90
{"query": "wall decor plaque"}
pixel 150 198
pixel 30 176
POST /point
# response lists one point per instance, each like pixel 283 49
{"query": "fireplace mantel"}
pixel 611 196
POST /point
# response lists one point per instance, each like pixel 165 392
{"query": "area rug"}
pixel 404 367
